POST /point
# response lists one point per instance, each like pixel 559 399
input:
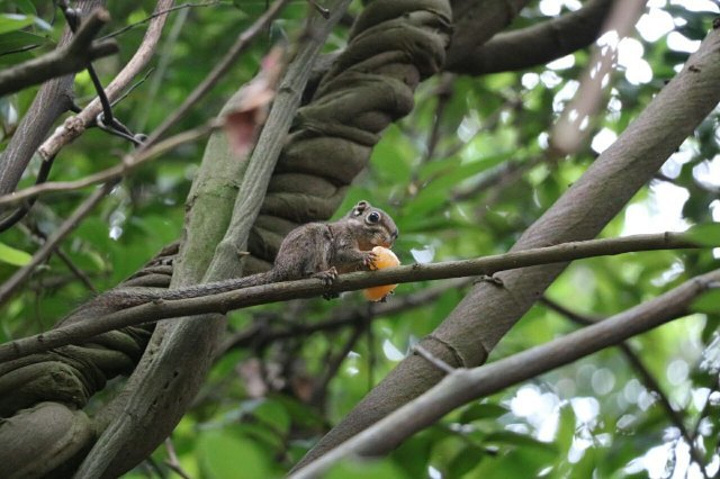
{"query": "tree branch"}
pixel 465 385
pixel 568 133
pixel 343 317
pixel 307 288
pixel 76 125
pixel 646 377
pixel 70 58
pixel 532 46
pixel 475 23
pixel 52 100
pixel 129 163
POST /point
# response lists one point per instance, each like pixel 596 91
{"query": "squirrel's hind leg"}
pixel 328 277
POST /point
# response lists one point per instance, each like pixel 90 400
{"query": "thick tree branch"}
pixel 465 385
pixel 475 51
pixel 70 58
pixel 307 288
pixel 532 46
pixel 485 315
pixel 478 21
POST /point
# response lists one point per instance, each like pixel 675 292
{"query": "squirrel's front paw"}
pixel 328 276
pixel 369 260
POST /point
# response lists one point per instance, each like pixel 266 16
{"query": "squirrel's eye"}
pixel 374 217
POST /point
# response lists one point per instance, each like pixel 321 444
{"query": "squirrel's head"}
pixel 380 227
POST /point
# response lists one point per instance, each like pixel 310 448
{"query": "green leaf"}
pixel 456 173
pixel 391 157
pixel 706 234
pixel 361 469
pixel 273 413
pixel 465 461
pixel 261 435
pixel 26 7
pixel 478 412
pixel 13 256
pixel 712 324
pixel 301 414
pixel 519 462
pixel 435 194
pixel 519 440
pixel 413 455
pixel 708 303
pixel 9 22
pixel 583 468
pixel 566 428
pixel 225 456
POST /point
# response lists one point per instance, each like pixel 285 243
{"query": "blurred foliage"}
pixel 463 176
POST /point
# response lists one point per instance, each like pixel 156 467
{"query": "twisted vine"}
pixel 393 46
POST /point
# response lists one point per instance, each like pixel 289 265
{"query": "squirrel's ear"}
pixel 360 208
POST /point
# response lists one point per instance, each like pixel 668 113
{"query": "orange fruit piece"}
pixel 385 259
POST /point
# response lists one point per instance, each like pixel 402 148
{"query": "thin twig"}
pixel 40 237
pixel 10 220
pixel 79 274
pixel 71 223
pixel 172 461
pixel 372 357
pixel 76 125
pixel 161 12
pixel 333 366
pixel 132 87
pixel 443 92
pixel 165 57
pixel 26 48
pixel 130 162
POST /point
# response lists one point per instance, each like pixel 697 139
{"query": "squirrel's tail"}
pixel 122 298
pixel 216 287
pixel 128 297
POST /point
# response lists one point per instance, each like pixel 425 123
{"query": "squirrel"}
pixel 312 250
